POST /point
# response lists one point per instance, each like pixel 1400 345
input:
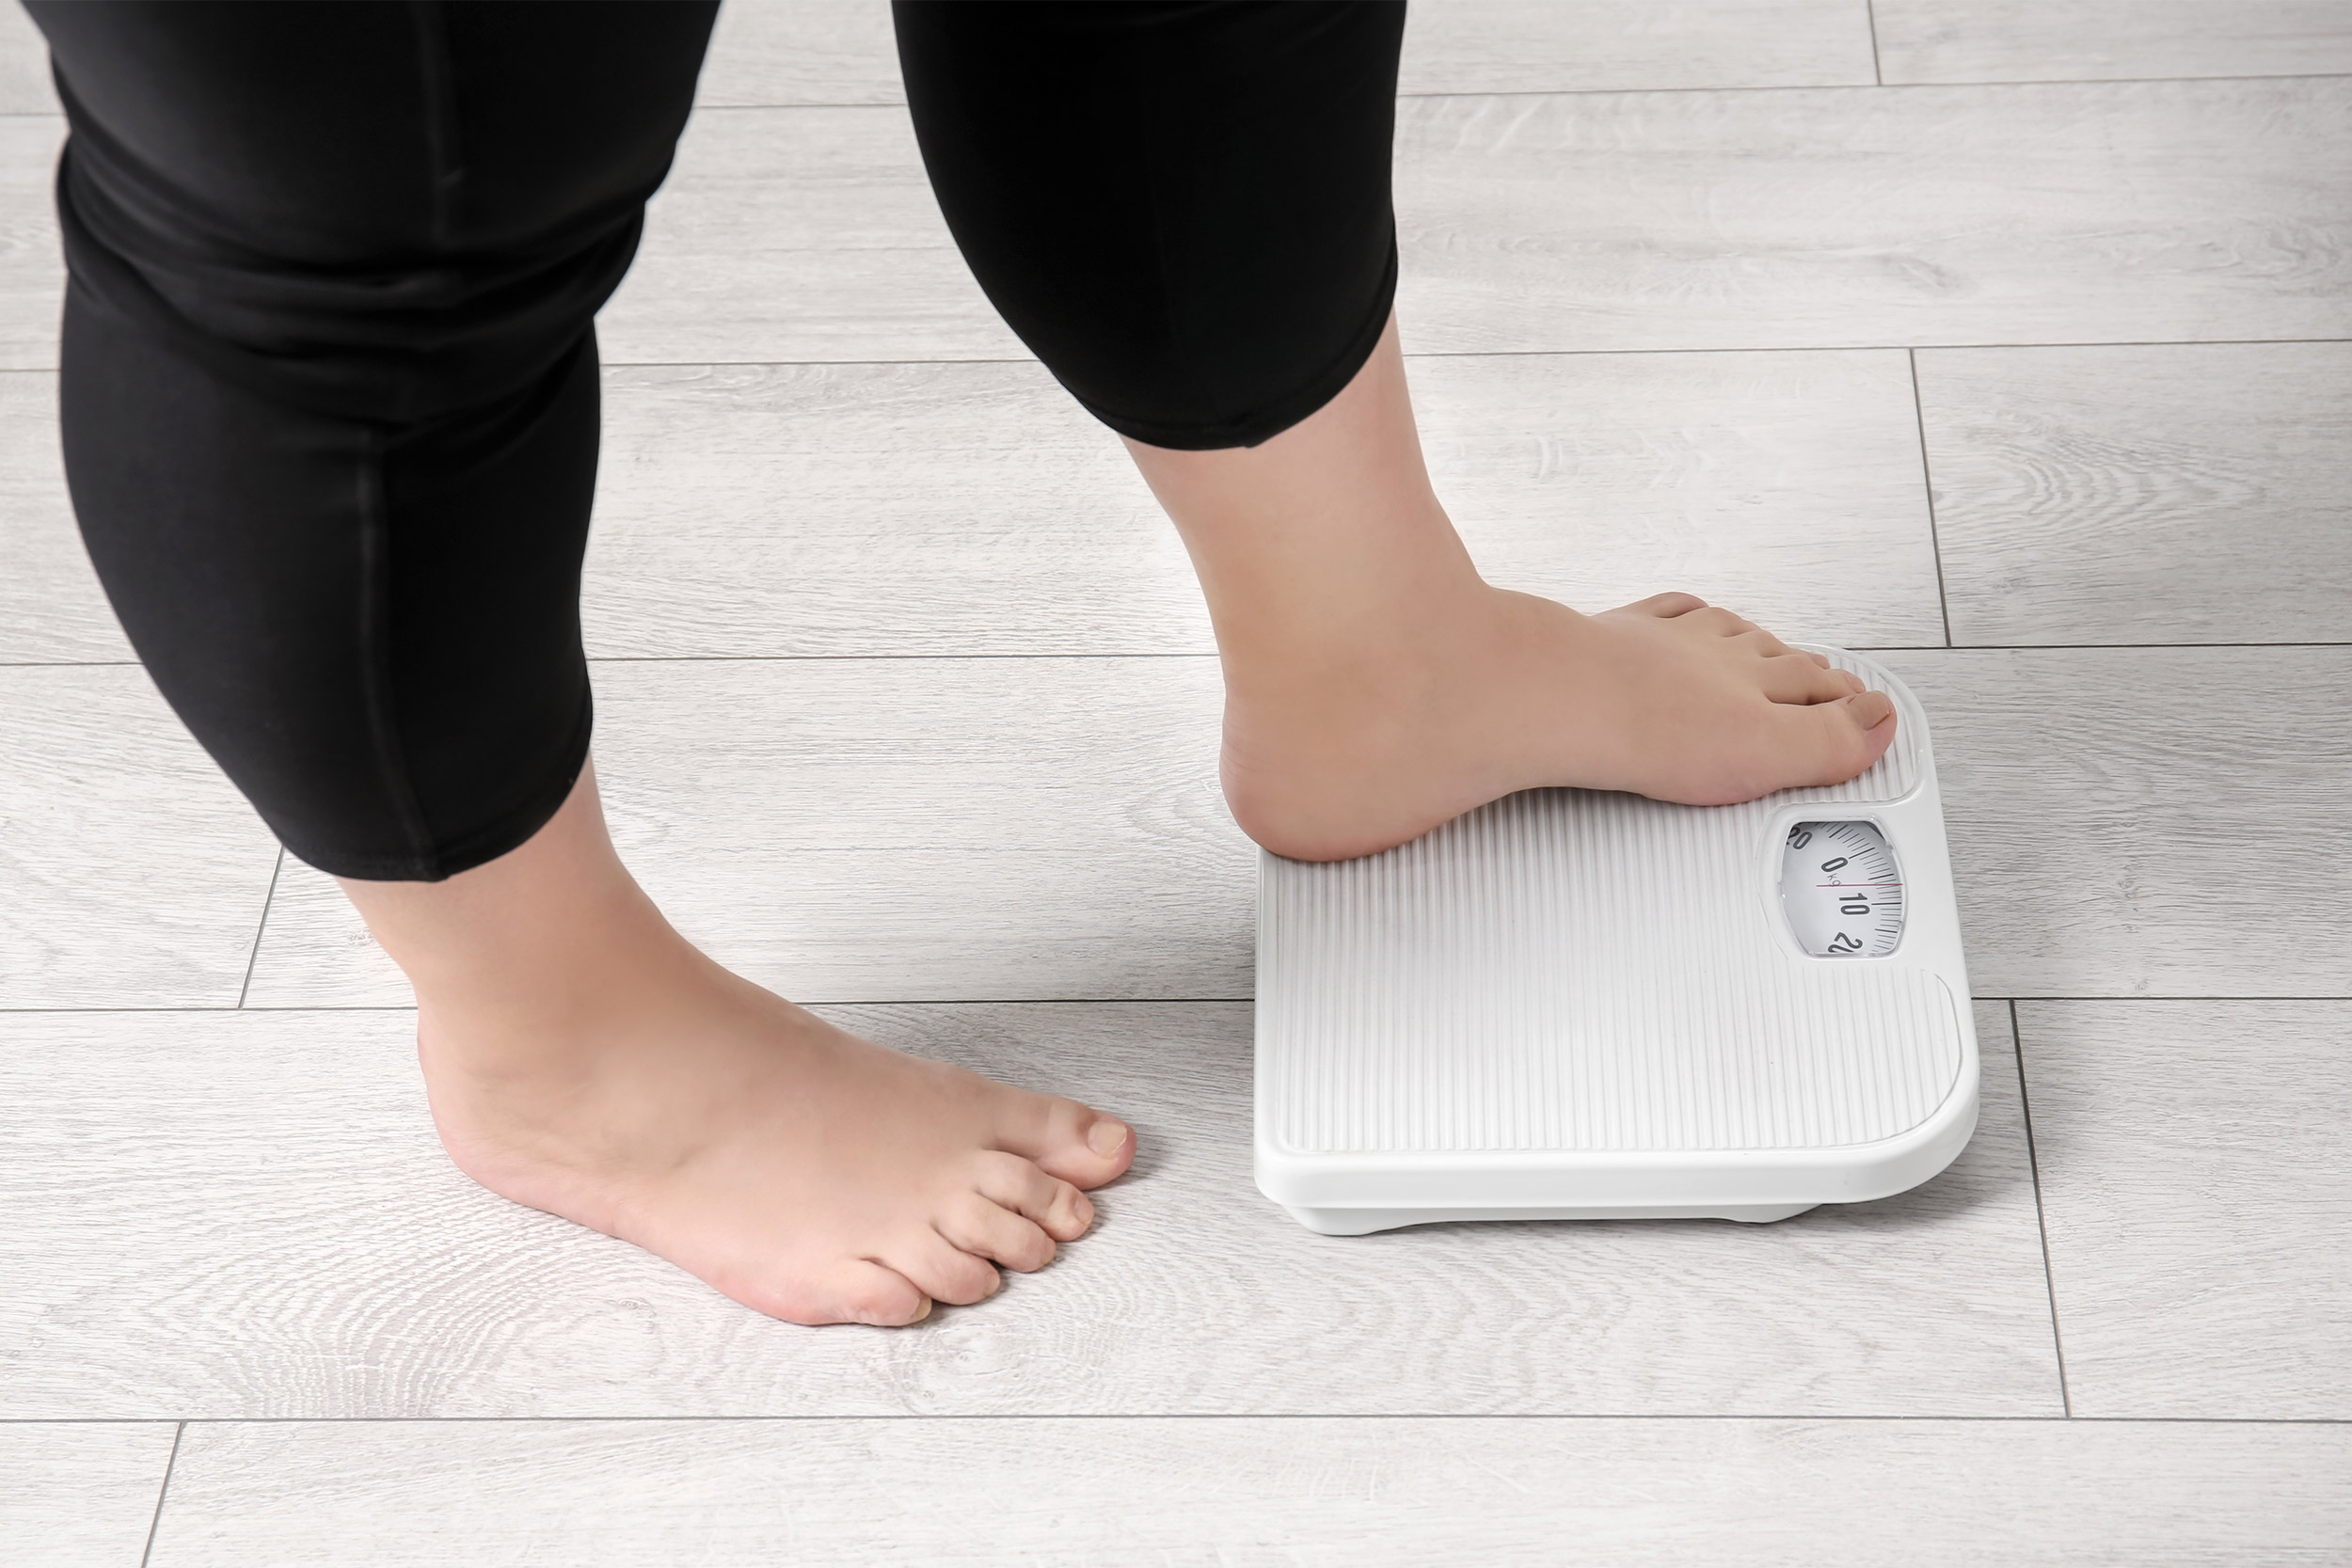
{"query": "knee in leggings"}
pixel 1183 209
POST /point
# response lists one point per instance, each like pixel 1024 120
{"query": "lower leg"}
pixel 1376 685
pixel 583 1058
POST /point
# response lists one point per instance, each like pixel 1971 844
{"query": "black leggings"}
pixel 331 386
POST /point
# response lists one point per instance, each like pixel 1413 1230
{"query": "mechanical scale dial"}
pixel 1841 890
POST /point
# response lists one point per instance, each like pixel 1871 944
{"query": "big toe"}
pixel 1077 1143
pixel 1834 741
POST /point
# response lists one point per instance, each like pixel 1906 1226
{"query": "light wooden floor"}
pixel 2012 336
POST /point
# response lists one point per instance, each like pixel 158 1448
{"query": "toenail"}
pixel 1871 709
pixel 1106 1137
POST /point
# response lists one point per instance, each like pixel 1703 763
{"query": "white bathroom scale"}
pixel 1581 1005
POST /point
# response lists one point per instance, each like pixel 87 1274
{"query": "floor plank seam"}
pixel 1810 1416
pixel 161 1491
pixel 253 955
pixel 1868 86
pixel 610 363
pixel 1878 83
pixel 2041 1222
pixel 1927 485
pixel 878 657
pixel 1164 1001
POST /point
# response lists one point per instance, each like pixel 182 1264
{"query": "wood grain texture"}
pixel 874 509
pixel 2174 210
pixel 2103 806
pixel 246 1215
pixel 1312 1493
pixel 51 607
pixel 974 509
pixel 32 269
pixel 2041 40
pixel 1457 46
pixel 80 1495
pixel 765 52
pixel 25 84
pixel 2173 493
pixel 2198 1185
pixel 1753 480
pixel 895 830
pixel 798 235
pixel 131 874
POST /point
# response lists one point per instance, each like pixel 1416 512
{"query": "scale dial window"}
pixel 1841 890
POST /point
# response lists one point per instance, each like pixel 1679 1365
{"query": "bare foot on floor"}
pixel 1480 692
pixel 807 1173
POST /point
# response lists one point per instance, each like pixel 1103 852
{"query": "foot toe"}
pixel 945 1270
pixel 1056 1206
pixel 1667 606
pixel 1721 621
pixel 1075 1142
pixel 988 1230
pixel 1838 739
pixel 865 1291
pixel 1795 679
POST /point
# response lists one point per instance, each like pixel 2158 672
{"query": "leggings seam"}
pixel 438 87
pixel 375 653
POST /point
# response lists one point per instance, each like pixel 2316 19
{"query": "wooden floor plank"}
pixel 874 509
pixel 25 84
pixel 1836 217
pixel 896 830
pixel 2177 493
pixel 52 610
pixel 246 1215
pixel 1462 46
pixel 80 1495
pixel 2041 40
pixel 2104 806
pixel 773 52
pixel 786 235
pixel 131 874
pixel 770 53
pixel 1244 1493
pixel 32 269
pixel 1031 829
pixel 974 509
pixel 2136 213
pixel 967 509
pixel 1773 482
pixel 2198 1188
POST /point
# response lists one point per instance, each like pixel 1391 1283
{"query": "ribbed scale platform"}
pixel 1472 990
pixel 1568 973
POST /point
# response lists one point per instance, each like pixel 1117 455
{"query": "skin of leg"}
pixel 585 1058
pixel 1376 685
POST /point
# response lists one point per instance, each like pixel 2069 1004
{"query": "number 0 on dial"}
pixel 1841 890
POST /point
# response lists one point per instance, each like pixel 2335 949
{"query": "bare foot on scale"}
pixel 1492 691
pixel 1376 685
pixel 583 1058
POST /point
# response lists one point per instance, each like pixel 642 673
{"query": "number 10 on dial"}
pixel 1841 890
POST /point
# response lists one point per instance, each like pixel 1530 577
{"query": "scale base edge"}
pixel 1363 1222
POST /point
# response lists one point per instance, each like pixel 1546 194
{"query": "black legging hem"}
pixel 1263 427
pixel 479 847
